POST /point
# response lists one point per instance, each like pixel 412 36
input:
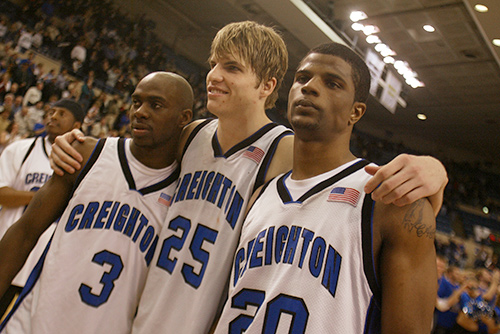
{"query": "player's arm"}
pixel 46 206
pixel 11 198
pixel 404 246
pixel 283 158
pixel 408 178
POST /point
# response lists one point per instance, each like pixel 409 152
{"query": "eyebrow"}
pixel 328 75
pixel 150 97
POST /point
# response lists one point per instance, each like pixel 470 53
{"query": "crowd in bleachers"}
pixel 99 55
pixel 89 51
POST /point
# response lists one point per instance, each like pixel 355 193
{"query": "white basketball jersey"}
pixel 25 166
pixel 197 243
pixel 304 260
pixel 95 267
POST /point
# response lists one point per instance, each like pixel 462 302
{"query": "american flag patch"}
pixel 342 194
pixel 165 199
pixel 254 153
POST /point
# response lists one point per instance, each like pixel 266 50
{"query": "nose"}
pixel 310 87
pixel 141 111
pixel 214 75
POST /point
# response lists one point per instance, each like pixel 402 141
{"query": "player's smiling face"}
pixel 321 100
pixel 232 86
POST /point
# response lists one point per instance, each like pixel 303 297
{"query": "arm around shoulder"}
pixel 407 266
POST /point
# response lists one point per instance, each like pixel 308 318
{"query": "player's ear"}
pixel 357 111
pixel 268 87
pixel 77 125
pixel 186 116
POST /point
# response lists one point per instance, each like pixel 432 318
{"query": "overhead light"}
pixel 481 8
pixel 389 60
pixel 496 42
pixel 358 15
pixel 414 82
pixel 421 117
pixel 370 30
pixel 384 50
pixel 372 39
pixel 357 26
pixel 486 210
pixel 387 52
pixel 429 28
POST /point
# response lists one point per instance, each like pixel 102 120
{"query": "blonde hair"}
pixel 259 46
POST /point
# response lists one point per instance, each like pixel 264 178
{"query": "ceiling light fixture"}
pixel 372 39
pixel 358 15
pixel 357 26
pixel 429 28
pixel 421 117
pixel 481 8
pixel 496 42
pixel 389 60
pixel 370 30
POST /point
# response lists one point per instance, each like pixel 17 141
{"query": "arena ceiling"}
pixel 458 64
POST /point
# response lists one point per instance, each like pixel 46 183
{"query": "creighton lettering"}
pixel 36 178
pixel 117 217
pixel 292 246
pixel 214 188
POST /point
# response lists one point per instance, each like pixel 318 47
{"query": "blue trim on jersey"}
pixel 88 165
pixel 130 178
pixel 30 283
pixel 373 317
pixel 285 194
pixel 43 146
pixel 244 143
pixel 32 146
pixel 193 134
pixel 261 175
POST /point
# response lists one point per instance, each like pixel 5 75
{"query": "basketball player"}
pixel 24 168
pixel 223 162
pixel 112 211
pixel 317 254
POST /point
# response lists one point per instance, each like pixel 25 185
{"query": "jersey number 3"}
pixel 107 279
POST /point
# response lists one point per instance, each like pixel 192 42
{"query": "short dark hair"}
pixel 360 72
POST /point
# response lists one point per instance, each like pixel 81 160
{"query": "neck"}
pixel 232 131
pixel 158 157
pixel 311 158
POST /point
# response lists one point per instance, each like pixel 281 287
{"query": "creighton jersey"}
pixel 304 260
pixel 25 166
pixel 95 267
pixel 197 243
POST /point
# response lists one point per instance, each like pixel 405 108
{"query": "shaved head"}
pixel 184 96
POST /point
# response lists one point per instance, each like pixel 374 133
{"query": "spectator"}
pixel 33 94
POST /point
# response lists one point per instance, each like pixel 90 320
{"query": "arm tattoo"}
pixel 413 220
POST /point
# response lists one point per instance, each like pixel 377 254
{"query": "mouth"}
pixel 305 105
pixel 139 127
pixel 216 91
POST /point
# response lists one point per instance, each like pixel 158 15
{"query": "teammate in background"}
pixel 223 162
pixel 112 212
pixel 317 254
pixel 24 168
